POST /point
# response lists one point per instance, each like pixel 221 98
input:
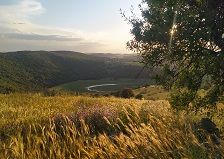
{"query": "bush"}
pixel 49 93
pixel 116 94
pixel 139 96
pixel 127 93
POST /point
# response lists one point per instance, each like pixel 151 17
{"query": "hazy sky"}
pixel 77 25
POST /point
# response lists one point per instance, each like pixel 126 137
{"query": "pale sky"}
pixel 88 26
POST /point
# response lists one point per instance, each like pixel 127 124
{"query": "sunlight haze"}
pixel 77 25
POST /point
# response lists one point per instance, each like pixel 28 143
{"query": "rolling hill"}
pixel 25 71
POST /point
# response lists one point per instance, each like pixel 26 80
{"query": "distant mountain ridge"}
pixel 25 71
pixel 126 57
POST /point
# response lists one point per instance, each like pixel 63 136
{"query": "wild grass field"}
pixel 65 126
pixel 152 92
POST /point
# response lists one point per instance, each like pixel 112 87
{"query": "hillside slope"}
pixel 34 70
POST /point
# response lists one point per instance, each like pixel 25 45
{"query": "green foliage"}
pixel 185 39
pixel 116 94
pixel 127 93
pixel 27 71
pixel 139 96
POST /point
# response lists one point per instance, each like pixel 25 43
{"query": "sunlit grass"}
pixel 35 126
pixel 153 92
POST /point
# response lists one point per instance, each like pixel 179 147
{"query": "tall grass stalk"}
pixel 140 129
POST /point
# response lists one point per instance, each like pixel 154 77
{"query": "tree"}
pixel 139 96
pixel 185 39
pixel 127 93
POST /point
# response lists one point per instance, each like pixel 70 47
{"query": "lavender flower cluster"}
pixel 94 117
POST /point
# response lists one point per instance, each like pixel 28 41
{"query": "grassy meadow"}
pixel 141 86
pixel 152 92
pixel 66 126
pixel 80 86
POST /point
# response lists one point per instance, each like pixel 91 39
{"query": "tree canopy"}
pixel 185 39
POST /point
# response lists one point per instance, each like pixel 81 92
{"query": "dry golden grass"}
pixel 141 129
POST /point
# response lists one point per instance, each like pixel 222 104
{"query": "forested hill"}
pixel 25 71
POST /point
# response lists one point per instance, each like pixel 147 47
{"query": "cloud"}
pixel 7 45
pixel 20 11
pixel 18 31
pixel 39 37
pixel 15 24
pixel 31 7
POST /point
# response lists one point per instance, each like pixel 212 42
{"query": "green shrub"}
pixel 127 93
pixel 139 96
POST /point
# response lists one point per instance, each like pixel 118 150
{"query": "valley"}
pixel 64 105
pixel 33 71
pixel 106 85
